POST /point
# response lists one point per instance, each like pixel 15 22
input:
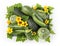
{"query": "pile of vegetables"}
pixel 27 22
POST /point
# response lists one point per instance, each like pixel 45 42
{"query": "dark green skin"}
pixel 32 24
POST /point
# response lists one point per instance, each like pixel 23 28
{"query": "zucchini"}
pixel 18 32
pixel 13 18
pixel 27 10
pixel 18 12
pixel 21 31
pixel 43 33
pixel 38 21
pixel 32 24
pixel 15 27
pixel 37 16
pixel 42 15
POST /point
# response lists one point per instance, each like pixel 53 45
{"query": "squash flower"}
pixel 9 30
pixel 46 9
pixel 18 19
pixel 8 22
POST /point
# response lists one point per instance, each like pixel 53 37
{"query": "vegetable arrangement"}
pixel 27 22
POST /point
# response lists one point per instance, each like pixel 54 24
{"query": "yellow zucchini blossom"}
pixel 34 7
pixel 8 22
pixel 20 23
pixel 46 21
pixel 33 33
pixel 9 30
pixel 25 24
pixel 18 19
pixel 46 9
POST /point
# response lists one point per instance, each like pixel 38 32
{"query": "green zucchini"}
pixel 38 21
pixel 43 33
pixel 15 27
pixel 18 12
pixel 37 16
pixel 22 31
pixel 18 32
pixel 27 10
pixel 42 15
pixel 13 18
pixel 32 24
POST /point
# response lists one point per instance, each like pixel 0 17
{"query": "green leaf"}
pixel 21 37
pixel 19 5
pixel 29 36
pixel 8 15
pixel 36 38
pixel 50 25
pixel 50 20
pixel 25 18
pixel 48 39
pixel 52 32
pixel 38 6
pixel 11 9
pixel 50 8
pixel 9 36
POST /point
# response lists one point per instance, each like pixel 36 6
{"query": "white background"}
pixel 55 39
